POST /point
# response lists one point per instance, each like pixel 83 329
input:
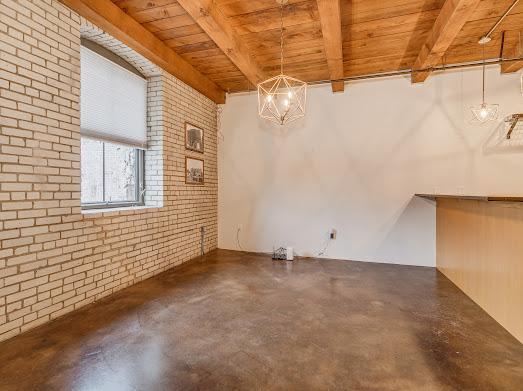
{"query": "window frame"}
pixel 139 187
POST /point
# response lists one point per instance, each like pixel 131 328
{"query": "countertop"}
pixel 473 197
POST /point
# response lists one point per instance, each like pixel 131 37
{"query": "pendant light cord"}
pixel 483 74
pixel 281 38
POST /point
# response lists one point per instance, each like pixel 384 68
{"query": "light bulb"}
pixel 484 113
pixel 282 99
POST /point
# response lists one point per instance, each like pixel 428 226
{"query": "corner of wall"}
pixel 154 169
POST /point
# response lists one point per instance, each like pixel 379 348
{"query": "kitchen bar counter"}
pixel 479 247
pixel 473 197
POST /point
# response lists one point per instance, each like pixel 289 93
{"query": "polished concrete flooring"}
pixel 241 321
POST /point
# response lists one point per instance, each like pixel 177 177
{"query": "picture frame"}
pixel 194 171
pixel 194 138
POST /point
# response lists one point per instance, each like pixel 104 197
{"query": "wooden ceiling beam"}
pixel 330 19
pixel 451 19
pixel 207 15
pixel 111 19
pixel 511 50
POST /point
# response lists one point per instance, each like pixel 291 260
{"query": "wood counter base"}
pixel 479 247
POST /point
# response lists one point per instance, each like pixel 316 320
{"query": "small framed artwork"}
pixel 194 171
pixel 193 138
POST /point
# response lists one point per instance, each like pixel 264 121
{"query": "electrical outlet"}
pixel 333 234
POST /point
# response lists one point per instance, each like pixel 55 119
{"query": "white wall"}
pixel 355 162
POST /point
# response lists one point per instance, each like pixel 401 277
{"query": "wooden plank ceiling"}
pixel 377 35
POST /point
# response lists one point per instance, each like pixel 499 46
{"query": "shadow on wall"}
pixel 355 161
pixel 411 230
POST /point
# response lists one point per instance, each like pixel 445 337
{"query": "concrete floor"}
pixel 241 321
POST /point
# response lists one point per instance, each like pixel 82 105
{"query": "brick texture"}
pixel 53 257
pixel 93 33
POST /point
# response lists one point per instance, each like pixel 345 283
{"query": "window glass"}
pixel 92 171
pixel 110 173
pixel 120 173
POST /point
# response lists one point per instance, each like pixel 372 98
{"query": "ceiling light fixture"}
pixel 484 112
pixel 282 99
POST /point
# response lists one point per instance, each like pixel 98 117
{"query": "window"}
pixel 113 103
pixel 112 174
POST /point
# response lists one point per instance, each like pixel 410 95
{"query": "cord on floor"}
pixel 318 254
pixel 238 239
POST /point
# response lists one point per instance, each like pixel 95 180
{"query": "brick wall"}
pixel 53 257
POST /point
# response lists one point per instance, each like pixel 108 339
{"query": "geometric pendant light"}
pixel 484 112
pixel 282 99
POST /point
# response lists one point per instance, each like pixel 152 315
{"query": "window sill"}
pixel 123 210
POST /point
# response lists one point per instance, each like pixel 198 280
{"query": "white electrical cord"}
pixel 323 250
pixel 325 247
pixel 238 238
pixel 318 254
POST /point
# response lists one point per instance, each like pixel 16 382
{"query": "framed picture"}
pixel 194 171
pixel 193 138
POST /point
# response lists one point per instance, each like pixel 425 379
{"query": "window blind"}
pixel 113 101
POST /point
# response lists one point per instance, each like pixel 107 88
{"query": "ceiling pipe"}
pixel 409 71
pixel 404 72
pixel 486 38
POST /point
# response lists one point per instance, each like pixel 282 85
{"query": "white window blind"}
pixel 113 101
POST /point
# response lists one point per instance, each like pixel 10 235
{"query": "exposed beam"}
pixel 451 18
pixel 207 15
pixel 512 48
pixel 117 23
pixel 330 19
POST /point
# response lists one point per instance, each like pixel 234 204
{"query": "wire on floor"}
pixel 320 253
pixel 238 239
pixel 324 248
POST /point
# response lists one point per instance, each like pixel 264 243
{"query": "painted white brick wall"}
pixel 53 258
